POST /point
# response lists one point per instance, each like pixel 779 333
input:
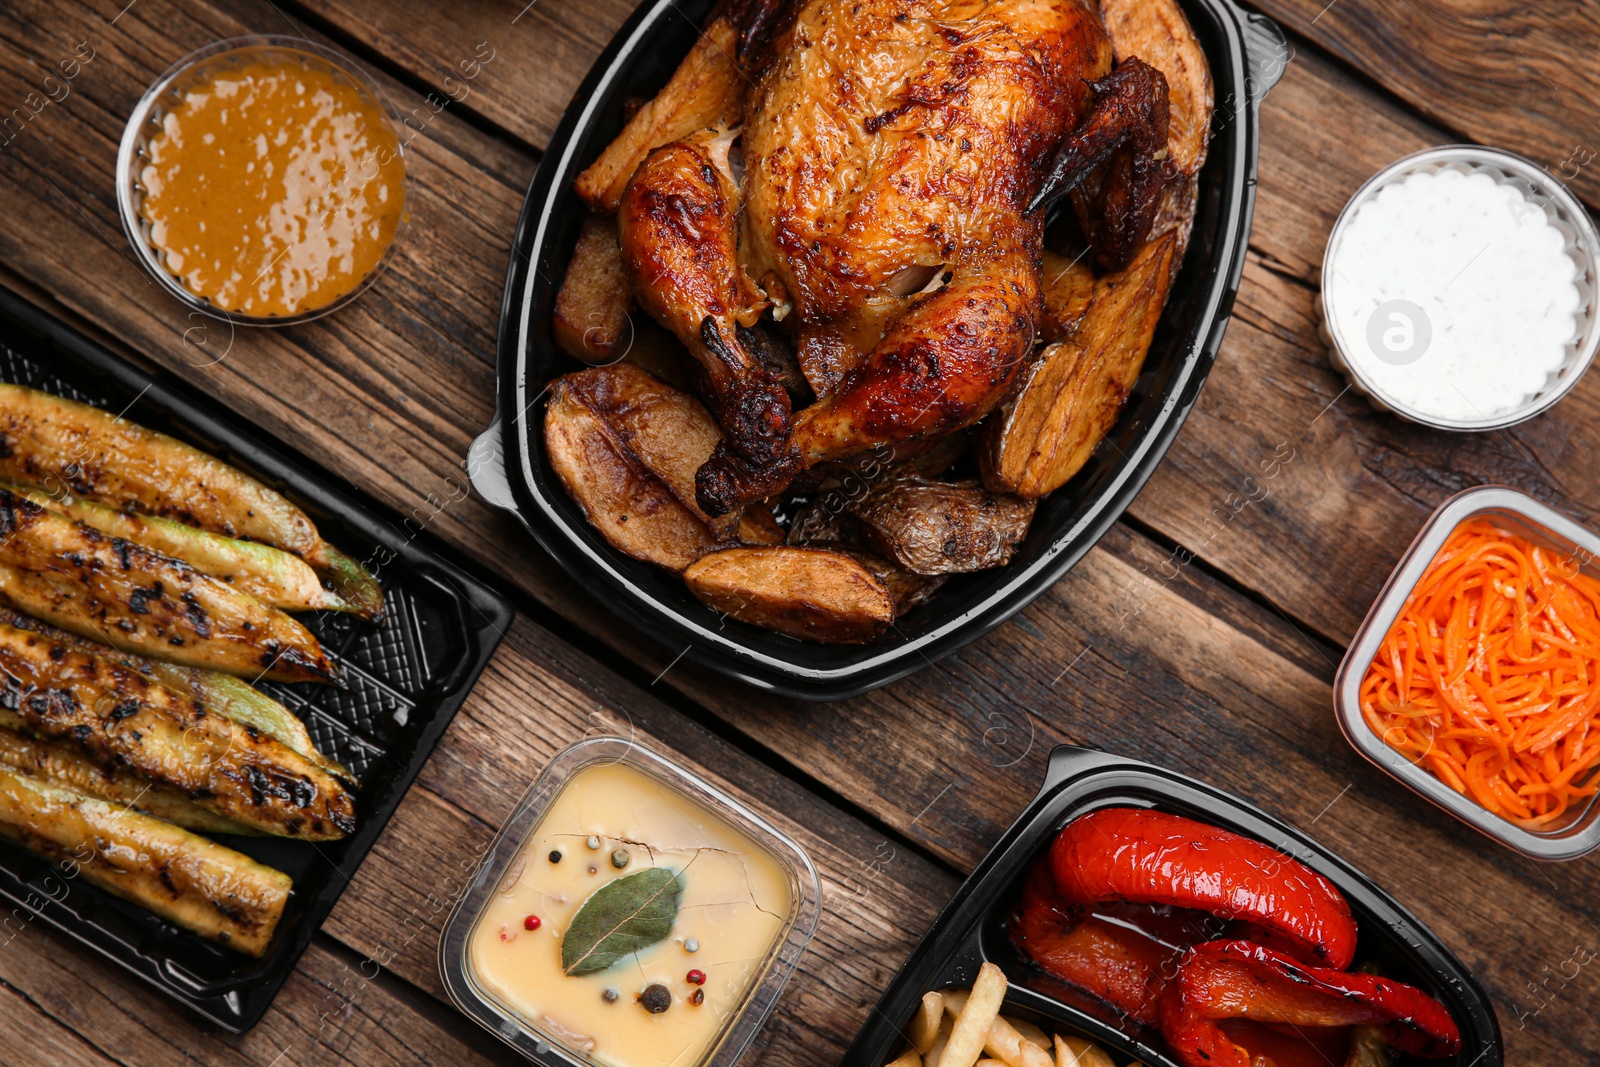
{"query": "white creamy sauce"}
pixel 1453 295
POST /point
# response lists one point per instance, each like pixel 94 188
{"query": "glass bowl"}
pixel 201 66
pixel 1579 831
pixel 1544 193
pixel 503 865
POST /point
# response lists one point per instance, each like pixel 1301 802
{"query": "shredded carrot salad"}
pixel 1490 677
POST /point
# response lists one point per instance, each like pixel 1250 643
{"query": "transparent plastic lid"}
pixel 586 825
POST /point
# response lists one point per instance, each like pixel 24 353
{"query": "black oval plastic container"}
pixel 1246 53
pixel 972 928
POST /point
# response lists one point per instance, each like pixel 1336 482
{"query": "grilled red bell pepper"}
pixel 1115 965
pixel 1222 980
pixel 1133 854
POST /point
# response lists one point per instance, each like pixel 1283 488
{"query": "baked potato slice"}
pixel 626 446
pixel 1068 399
pixel 930 527
pixel 811 593
pixel 653 349
pixel 758 527
pixel 706 89
pixel 591 321
pixel 1066 289
pixel 1157 32
pixel 907 589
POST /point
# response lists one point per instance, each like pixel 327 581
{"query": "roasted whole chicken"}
pixel 838 208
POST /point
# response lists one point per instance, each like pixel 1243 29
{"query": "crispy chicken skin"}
pixel 895 155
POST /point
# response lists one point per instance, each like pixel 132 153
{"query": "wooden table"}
pixel 1219 667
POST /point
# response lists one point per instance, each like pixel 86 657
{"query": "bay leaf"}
pixel 619 919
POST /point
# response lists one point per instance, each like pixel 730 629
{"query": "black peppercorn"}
pixel 555 855
pixel 656 999
pixel 620 858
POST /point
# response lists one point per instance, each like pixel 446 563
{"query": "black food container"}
pixel 404 676
pixel 972 929
pixel 1246 53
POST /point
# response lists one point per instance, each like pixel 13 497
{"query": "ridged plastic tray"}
pixel 405 678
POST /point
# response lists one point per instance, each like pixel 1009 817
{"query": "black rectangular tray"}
pixel 972 928
pixel 1246 53
pixel 406 677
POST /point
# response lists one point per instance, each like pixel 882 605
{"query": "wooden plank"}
pixel 1494 71
pixel 331 1011
pixel 1361 483
pixel 947 756
pixel 538 696
pixel 516 63
pixel 1198 678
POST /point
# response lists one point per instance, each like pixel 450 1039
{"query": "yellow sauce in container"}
pixel 274 187
pixel 666 1004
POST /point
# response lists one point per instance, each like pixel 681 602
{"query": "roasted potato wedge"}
pixel 1157 32
pixel 810 593
pixel 653 349
pixel 592 320
pixel 706 88
pixel 1068 399
pixel 907 589
pixel 1068 286
pixel 626 447
pixel 1175 215
pixel 758 527
pixel 931 527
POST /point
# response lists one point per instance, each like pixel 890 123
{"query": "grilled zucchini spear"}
pixel 67 448
pixel 218 692
pixel 62 765
pixel 119 716
pixel 269 574
pixel 182 877
pixel 138 600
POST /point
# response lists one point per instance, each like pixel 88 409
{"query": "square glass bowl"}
pixel 1516 512
pixel 542 1043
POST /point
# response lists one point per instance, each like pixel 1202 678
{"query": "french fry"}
pixel 971 1029
pixel 925 1027
pixel 1076 1052
pixel 1007 1044
pixel 936 1054
pixel 1031 1032
pixel 908 1058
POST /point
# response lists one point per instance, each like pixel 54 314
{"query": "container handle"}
pixel 486 468
pixel 1069 761
pixel 1266 54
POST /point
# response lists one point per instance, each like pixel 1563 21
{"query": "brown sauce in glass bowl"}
pixel 274 188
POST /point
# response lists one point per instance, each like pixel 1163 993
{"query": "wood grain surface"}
pixel 1202 634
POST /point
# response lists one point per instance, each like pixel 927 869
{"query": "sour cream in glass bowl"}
pixel 1459 289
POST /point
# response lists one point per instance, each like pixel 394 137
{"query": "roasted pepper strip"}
pixel 1151 857
pixel 1241 980
pixel 1120 967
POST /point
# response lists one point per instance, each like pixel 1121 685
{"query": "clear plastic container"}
pixel 195 69
pixel 1516 512
pixel 540 1044
pixel 1545 194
